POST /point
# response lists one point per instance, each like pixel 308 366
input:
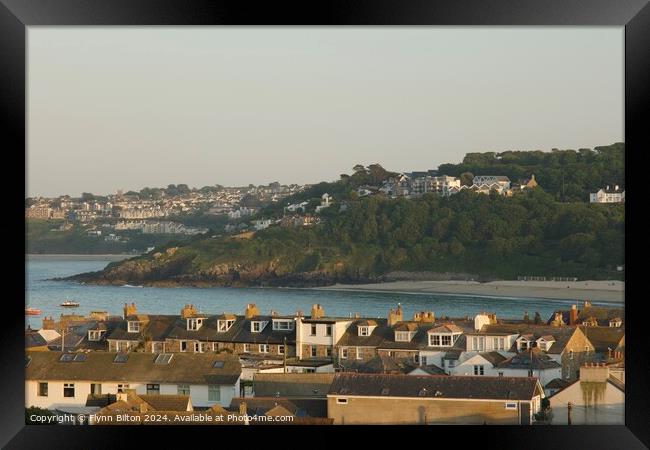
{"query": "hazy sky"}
pixel 123 108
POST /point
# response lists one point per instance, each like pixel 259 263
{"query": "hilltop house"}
pixel 607 195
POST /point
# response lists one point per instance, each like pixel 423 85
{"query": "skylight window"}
pixel 163 358
pixel 218 364
pixel 385 391
pixel 121 358
pixel 66 357
pixel 79 357
pixel 28 360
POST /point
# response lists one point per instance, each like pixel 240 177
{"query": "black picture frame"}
pixel 634 15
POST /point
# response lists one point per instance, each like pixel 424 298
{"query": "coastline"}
pixel 579 291
pixel 79 257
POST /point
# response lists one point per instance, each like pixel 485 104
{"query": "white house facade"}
pixel 55 379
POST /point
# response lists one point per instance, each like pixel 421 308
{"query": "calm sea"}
pixel 47 295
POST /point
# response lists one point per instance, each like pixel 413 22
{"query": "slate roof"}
pixel 262 405
pixel 167 402
pixel 557 383
pixel 139 367
pixel 435 386
pixel 378 364
pixel 431 369
pixel 33 339
pixel 306 385
pixel 533 359
pixel 493 358
pixel 161 327
pixel 604 337
pixel 562 335
pixel 156 329
pixel 383 336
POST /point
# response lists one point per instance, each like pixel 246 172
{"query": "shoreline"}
pixel 579 291
pixel 80 257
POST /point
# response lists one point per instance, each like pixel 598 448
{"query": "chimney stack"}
pixel 424 316
pixel 573 315
pixel 252 311
pixel 395 316
pixel 317 311
pixel 188 311
pixel 48 323
pixel 595 373
pixel 130 310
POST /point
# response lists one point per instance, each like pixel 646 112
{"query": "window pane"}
pixel 214 393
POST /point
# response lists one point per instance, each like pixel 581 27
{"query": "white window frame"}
pixel 122 387
pixel 153 384
pixel 39 392
pixel 359 356
pixel 344 353
pixel 180 346
pixel 402 336
pixel 181 388
pixel 479 369
pixel 511 405
pixel 328 330
pixel 364 331
pixel 194 323
pixel 247 348
pixel 281 349
pixel 283 325
pixel 313 331
pixel 97 390
pixel 313 351
pixel 341 401
pixel 69 386
pixel 224 325
pixel 264 348
pixel 133 326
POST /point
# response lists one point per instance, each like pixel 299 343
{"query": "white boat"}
pixel 70 304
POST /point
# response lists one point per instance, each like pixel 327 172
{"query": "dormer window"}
pixel 403 336
pixel 615 322
pixel 364 331
pixel 283 325
pixel 95 335
pixel 257 326
pixel 544 343
pixel 525 342
pixel 194 323
pixel 224 325
pixel 440 340
pixel 133 326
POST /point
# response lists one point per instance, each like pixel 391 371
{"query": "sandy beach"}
pixel 610 291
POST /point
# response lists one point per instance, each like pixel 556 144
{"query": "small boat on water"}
pixel 70 304
pixel 32 312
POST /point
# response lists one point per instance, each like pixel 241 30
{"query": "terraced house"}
pixel 57 380
pixel 195 332
pixel 567 346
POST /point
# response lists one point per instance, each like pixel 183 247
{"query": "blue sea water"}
pixel 44 294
